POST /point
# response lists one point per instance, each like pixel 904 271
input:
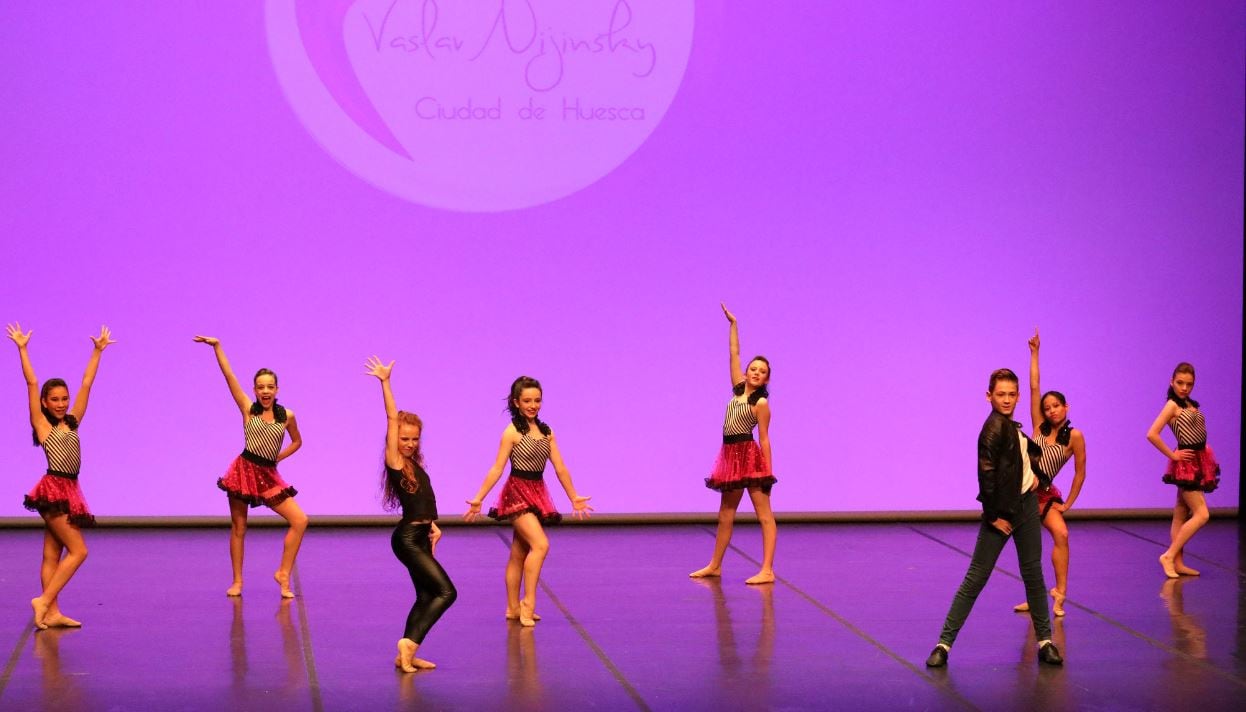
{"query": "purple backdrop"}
pixel 889 195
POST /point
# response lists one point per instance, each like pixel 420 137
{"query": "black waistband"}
pixel 740 438
pixel 63 475
pixel 252 457
pixel 1193 446
pixel 528 474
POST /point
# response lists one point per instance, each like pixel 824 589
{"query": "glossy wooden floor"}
pixel 848 626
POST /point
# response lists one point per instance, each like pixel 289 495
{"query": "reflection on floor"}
pixel 847 626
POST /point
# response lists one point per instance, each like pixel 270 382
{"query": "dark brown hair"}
pixel 1002 374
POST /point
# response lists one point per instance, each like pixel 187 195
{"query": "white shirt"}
pixel 1028 478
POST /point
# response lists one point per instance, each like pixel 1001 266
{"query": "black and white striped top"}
pixel 63 450
pixel 264 438
pixel 740 419
pixel 530 454
pixel 1053 458
pixel 1189 427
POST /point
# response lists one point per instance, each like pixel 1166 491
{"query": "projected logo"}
pixel 480 105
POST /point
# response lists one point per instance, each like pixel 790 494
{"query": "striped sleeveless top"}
pixel 1053 458
pixel 1189 427
pixel 740 419
pixel 63 450
pixel 529 454
pixel 264 438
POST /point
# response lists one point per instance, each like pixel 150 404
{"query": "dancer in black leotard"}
pixel 405 484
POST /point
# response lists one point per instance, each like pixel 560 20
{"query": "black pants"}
pixel 1027 535
pixel 434 592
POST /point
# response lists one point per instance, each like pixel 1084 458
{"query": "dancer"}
pixel 524 502
pixel 1049 414
pixel 1008 476
pixel 405 484
pixel 252 478
pixel 744 463
pixel 1191 467
pixel 57 497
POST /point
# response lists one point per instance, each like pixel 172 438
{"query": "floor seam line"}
pixel 852 628
pixel 1204 559
pixel 309 656
pixel 1110 621
pixel 11 664
pixel 613 669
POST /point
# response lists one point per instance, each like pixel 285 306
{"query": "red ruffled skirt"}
pixel 60 495
pixel 255 483
pixel 522 496
pixel 1048 497
pixel 1201 473
pixel 740 465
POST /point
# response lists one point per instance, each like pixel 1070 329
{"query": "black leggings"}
pixel 433 590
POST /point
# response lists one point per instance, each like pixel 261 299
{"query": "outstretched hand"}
pixel 375 367
pixel 580 507
pixel 1034 340
pixel 473 510
pixel 103 340
pixel 209 340
pixel 15 333
pixel 729 315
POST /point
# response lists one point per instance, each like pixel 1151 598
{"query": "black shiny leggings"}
pixel 434 592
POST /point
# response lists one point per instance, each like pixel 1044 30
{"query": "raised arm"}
pixel 1153 435
pixel 37 421
pixel 375 367
pixel 510 436
pixel 1036 390
pixel 762 411
pixel 88 377
pixel 737 374
pixel 235 390
pixel 579 503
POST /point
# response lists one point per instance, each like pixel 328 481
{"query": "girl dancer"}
pixel 1191 467
pixel 524 502
pixel 252 478
pixel 1049 414
pixel 741 463
pixel 57 497
pixel 404 483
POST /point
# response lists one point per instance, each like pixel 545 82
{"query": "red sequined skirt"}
pixel 524 496
pixel 1201 473
pixel 1048 497
pixel 255 483
pixel 740 465
pixel 58 495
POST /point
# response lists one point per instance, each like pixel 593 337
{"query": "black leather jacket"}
pixel 1000 468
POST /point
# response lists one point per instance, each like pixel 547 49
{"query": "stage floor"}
pixel 848 626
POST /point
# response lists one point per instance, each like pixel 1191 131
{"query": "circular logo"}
pixel 483 105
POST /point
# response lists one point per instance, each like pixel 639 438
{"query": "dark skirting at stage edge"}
pixel 848 625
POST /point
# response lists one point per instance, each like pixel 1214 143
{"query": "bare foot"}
pixel 760 577
pixel 235 590
pixel 1178 563
pixel 706 572
pixel 1023 607
pixel 1166 562
pixel 527 617
pixel 60 620
pixel 422 664
pixel 1057 598
pixel 512 616
pixel 283 580
pixel 41 612
pixel 406 655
